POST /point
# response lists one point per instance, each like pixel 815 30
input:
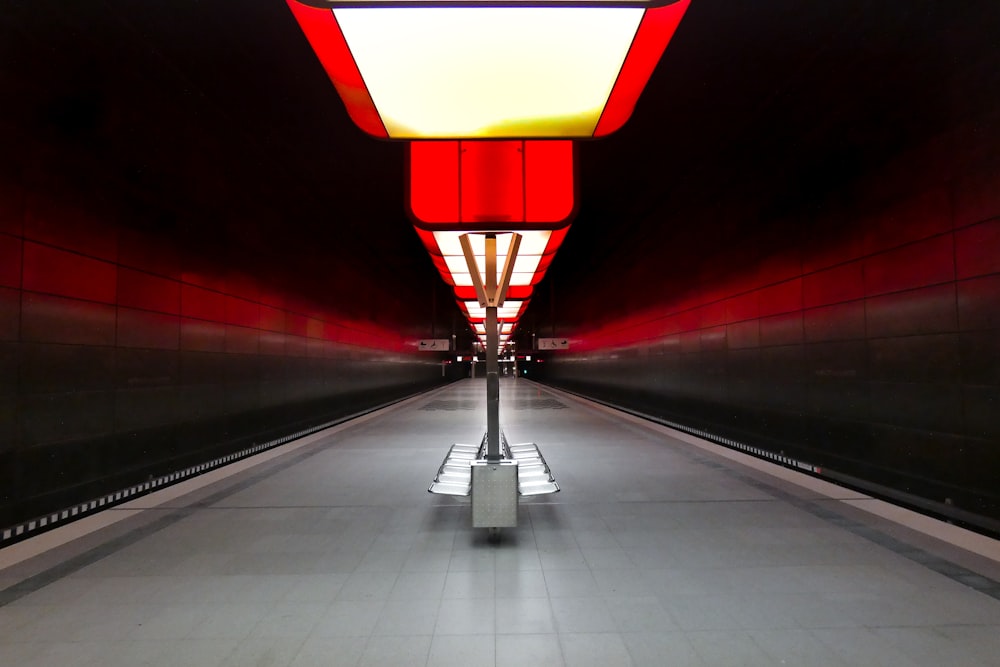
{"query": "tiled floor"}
pixel 654 553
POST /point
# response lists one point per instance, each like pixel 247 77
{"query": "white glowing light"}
pixel 509 310
pixel 532 243
pixel 489 71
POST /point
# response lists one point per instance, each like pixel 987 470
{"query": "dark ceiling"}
pixel 217 114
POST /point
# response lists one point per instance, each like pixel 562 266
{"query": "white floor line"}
pixel 941 530
pixel 34 546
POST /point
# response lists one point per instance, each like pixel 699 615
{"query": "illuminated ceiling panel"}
pixel 442 72
pixel 506 328
pixel 424 70
pixel 522 184
pixel 460 74
pixel 509 311
pixel 532 243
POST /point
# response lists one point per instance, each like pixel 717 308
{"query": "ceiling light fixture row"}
pixel 489 96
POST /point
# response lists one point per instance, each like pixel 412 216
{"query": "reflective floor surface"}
pixel 655 552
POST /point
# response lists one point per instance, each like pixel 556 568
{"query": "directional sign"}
pixel 434 345
pixel 553 344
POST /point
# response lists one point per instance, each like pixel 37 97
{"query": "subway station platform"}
pixel 659 550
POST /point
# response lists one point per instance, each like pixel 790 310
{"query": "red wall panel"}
pixel 927 262
pixel 202 303
pixel 137 289
pixel 712 314
pixel 977 249
pixel 742 307
pixel 296 324
pixel 840 283
pixel 68 274
pixel 242 285
pixel 150 254
pixel 242 312
pixel 10 261
pixel 781 298
pixel 272 319
pixel 56 221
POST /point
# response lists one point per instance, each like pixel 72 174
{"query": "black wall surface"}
pixel 188 265
pixel 794 241
pixel 814 264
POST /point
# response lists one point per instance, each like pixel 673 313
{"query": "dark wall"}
pixel 195 255
pixel 845 312
pixel 126 353
pixel 865 340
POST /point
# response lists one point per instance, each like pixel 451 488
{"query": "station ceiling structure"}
pixel 490 95
pixel 225 107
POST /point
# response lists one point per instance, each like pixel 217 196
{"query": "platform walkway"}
pixel 655 552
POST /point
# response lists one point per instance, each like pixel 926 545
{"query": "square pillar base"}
pixel 494 494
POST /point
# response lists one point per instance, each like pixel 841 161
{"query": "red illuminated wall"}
pixel 128 351
pixel 864 338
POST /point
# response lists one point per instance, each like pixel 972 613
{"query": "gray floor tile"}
pixel 728 649
pixel 290 619
pixel 469 584
pixel 418 586
pixel 230 620
pixel 367 586
pixel 580 615
pixel 796 647
pixel 343 559
pixel 462 651
pixel 640 614
pixel 656 649
pixel 521 584
pixel 524 616
pixel 594 650
pixel 408 617
pixel 330 652
pixel 571 584
pixel 468 616
pixel 929 647
pixel 349 618
pixel 861 646
pixel 528 649
pixel 270 651
pixel 395 650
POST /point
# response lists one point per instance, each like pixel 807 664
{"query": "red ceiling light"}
pixel 500 186
pixel 522 184
pixel 490 92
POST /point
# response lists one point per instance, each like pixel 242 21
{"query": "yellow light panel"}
pixel 521 72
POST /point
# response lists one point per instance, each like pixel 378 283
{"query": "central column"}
pixel 493 452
